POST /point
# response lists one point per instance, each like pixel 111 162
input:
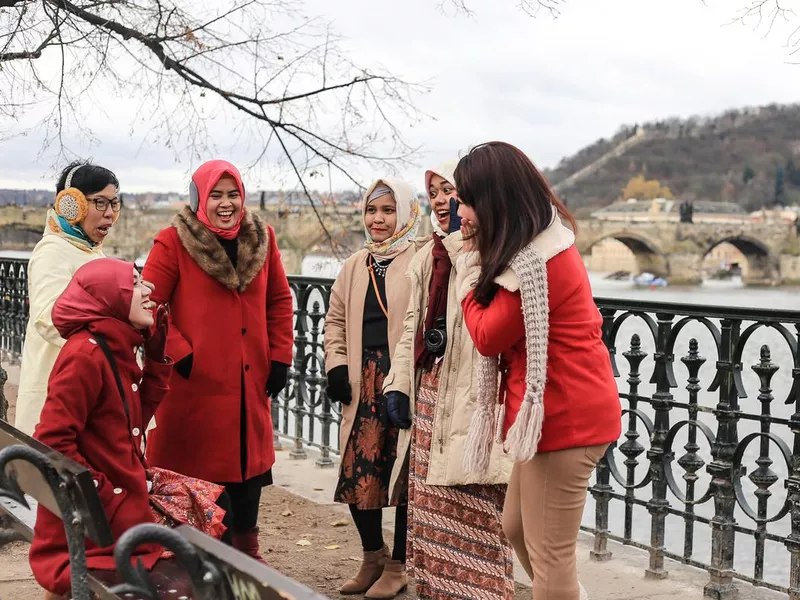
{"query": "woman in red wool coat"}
pixel 529 309
pixel 219 268
pixel 84 418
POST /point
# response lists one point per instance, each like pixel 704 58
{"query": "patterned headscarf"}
pixel 408 220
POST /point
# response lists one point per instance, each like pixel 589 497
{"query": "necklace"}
pixel 381 268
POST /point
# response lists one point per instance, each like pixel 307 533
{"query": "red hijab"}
pixel 101 289
pixel 205 178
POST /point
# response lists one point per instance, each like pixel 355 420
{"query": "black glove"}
pixel 338 388
pixel 398 409
pixel 184 366
pixel 278 375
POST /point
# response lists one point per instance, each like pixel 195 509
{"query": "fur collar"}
pixel 552 241
pixel 206 250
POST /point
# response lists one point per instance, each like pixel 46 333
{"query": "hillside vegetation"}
pixel 749 156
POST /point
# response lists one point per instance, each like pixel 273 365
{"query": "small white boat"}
pixel 648 280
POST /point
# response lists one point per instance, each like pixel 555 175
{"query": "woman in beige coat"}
pixel 363 325
pixel 457 548
pixel 85 209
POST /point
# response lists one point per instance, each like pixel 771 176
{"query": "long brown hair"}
pixel 512 201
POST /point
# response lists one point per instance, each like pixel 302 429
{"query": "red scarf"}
pixel 205 178
pixel 437 301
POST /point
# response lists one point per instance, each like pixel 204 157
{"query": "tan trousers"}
pixel 542 517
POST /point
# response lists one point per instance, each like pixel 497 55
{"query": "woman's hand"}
pixel 278 376
pixel 338 388
pixel 468 233
pixel 155 346
pixel 398 409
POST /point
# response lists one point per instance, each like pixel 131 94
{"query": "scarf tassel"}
pixel 499 422
pixel 478 446
pixel 479 442
pixel 524 435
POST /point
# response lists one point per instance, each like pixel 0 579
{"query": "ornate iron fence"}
pixel 303 410
pixel 714 410
pixel 13 307
pixel 707 471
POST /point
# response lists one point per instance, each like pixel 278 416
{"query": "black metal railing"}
pixel 692 447
pixel 14 308
pixel 303 411
pixel 707 470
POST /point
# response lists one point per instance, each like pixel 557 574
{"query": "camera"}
pixel 436 337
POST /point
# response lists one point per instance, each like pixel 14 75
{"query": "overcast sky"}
pixel 550 86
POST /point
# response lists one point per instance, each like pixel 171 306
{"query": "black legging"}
pixel 224 502
pixel 370 528
pixel 245 498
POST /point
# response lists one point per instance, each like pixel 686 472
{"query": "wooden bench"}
pixel 213 570
pixel 203 568
pixel 62 486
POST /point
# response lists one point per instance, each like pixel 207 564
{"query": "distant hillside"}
pixel 732 158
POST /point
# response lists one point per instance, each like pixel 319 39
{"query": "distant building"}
pixel 664 210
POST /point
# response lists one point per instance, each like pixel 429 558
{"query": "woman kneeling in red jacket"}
pixel 529 309
pixel 106 316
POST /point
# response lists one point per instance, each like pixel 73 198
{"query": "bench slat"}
pixel 168 577
pixel 248 578
pixel 23 519
pixel 84 494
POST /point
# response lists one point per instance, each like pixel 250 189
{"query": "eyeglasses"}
pixel 101 204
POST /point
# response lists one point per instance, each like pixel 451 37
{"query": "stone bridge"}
pixel 676 250
pixel 669 249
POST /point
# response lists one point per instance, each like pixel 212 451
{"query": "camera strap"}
pixel 375 285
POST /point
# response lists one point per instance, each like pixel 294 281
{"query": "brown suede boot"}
pixel 247 542
pixel 393 581
pixel 370 571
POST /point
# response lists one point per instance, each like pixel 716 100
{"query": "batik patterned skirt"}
pixel 456 545
pixel 371 450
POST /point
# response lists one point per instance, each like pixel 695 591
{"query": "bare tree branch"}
pixel 296 98
pixel 766 15
pixel 530 7
pixel 758 14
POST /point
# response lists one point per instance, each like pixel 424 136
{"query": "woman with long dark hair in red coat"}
pixel 219 268
pixel 105 314
pixel 528 307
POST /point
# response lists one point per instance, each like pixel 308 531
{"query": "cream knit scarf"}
pixel 528 274
pixel 530 268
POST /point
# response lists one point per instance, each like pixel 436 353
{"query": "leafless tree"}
pixel 296 96
pixel 765 15
pixel 530 7
pixel 762 15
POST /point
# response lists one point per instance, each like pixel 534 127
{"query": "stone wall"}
pixel 298 234
pixel 666 249
pixel 790 270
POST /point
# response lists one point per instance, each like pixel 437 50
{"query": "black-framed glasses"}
pixel 102 204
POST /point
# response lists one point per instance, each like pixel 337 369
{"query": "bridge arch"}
pixel 761 267
pixel 649 257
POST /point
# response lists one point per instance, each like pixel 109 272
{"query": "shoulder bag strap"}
pixel 101 341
